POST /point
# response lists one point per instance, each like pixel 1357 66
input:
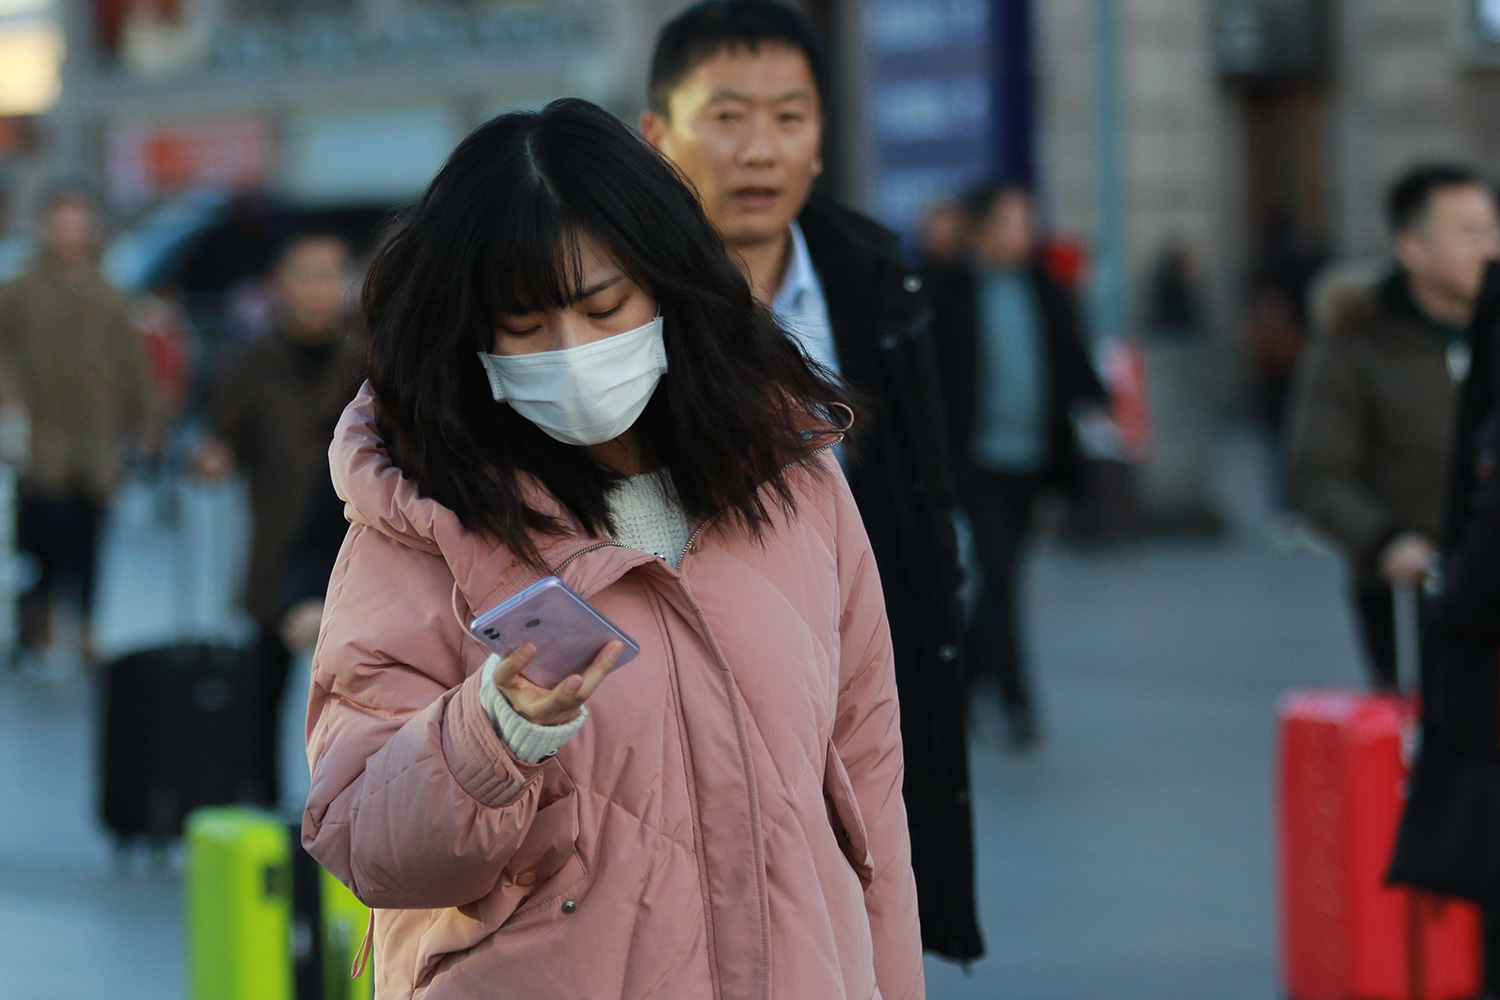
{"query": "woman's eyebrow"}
pixel 596 288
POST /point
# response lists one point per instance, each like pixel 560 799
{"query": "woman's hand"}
pixel 560 705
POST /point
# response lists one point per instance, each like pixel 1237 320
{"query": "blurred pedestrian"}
pixel 1173 308
pixel 1370 429
pixel 943 237
pixel 736 95
pixel 272 416
pixel 1450 831
pixel 74 366
pixel 1276 326
pixel 309 563
pixel 170 347
pixel 569 376
pixel 1017 375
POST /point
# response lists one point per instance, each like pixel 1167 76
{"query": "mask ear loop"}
pixel 837 431
pixel 848 413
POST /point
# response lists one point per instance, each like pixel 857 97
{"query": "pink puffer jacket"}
pixel 728 824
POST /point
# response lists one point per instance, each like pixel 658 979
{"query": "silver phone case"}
pixel 566 630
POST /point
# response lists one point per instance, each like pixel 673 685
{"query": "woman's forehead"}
pixel 594 260
pixel 579 266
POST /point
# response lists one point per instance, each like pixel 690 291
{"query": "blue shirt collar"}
pixel 800 278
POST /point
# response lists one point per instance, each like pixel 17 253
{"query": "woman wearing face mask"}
pixel 568 376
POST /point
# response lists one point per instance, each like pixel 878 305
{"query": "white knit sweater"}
pixel 647 516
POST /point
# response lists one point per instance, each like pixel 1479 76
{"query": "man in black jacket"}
pixel 1016 375
pixel 736 91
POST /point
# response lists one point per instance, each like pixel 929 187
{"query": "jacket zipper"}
pixel 693 538
pixel 556 570
pixel 712 644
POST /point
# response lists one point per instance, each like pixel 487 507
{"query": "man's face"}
pixel 746 129
pixel 310 285
pixel 70 229
pixel 1006 237
pixel 1448 247
pixel 944 232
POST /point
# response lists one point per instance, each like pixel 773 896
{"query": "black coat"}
pixel 1461 686
pixel 1070 374
pixel 1450 832
pixel 901 482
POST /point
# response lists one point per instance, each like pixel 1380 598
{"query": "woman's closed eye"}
pixel 607 313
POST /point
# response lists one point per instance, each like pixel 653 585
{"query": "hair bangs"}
pixel 536 260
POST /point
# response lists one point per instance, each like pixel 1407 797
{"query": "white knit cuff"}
pixel 530 742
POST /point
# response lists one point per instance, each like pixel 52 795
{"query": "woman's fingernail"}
pixel 572 684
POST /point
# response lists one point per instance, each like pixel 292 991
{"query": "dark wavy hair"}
pixel 497 232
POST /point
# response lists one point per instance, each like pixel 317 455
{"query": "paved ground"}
pixel 1129 858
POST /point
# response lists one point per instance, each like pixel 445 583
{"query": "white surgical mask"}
pixel 583 395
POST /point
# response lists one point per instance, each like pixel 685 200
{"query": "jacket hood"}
pixel 1358 300
pixel 377 495
pixel 1347 298
pixel 374 491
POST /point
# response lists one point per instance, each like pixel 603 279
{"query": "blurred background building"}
pixel 1208 139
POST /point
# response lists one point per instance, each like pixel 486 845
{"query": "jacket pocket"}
pixel 543 868
pixel 547 863
pixel 844 815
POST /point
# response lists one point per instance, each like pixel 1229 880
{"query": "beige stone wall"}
pixel 1180 136
pixel 1397 96
pixel 1404 88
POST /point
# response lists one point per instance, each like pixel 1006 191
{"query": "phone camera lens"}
pixel 533 623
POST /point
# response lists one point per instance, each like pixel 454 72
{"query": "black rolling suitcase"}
pixel 183 728
pixel 183 725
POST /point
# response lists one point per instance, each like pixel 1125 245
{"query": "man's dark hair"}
pixel 300 238
pixel 499 232
pixel 979 202
pixel 1411 195
pixel 65 192
pixel 708 28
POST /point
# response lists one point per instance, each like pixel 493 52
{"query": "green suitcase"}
pixel 265 922
pixel 346 922
pixel 239 905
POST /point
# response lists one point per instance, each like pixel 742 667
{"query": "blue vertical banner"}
pixel 949 103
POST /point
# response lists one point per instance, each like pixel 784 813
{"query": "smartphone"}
pixel 566 630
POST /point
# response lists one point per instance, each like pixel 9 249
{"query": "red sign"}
pixel 16 133
pixel 222 154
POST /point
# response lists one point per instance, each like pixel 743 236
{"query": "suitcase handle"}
pixel 1408 629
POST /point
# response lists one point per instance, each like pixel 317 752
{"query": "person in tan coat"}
pixel 1373 401
pixel 75 367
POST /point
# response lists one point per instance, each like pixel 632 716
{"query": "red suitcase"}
pixel 1345 935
